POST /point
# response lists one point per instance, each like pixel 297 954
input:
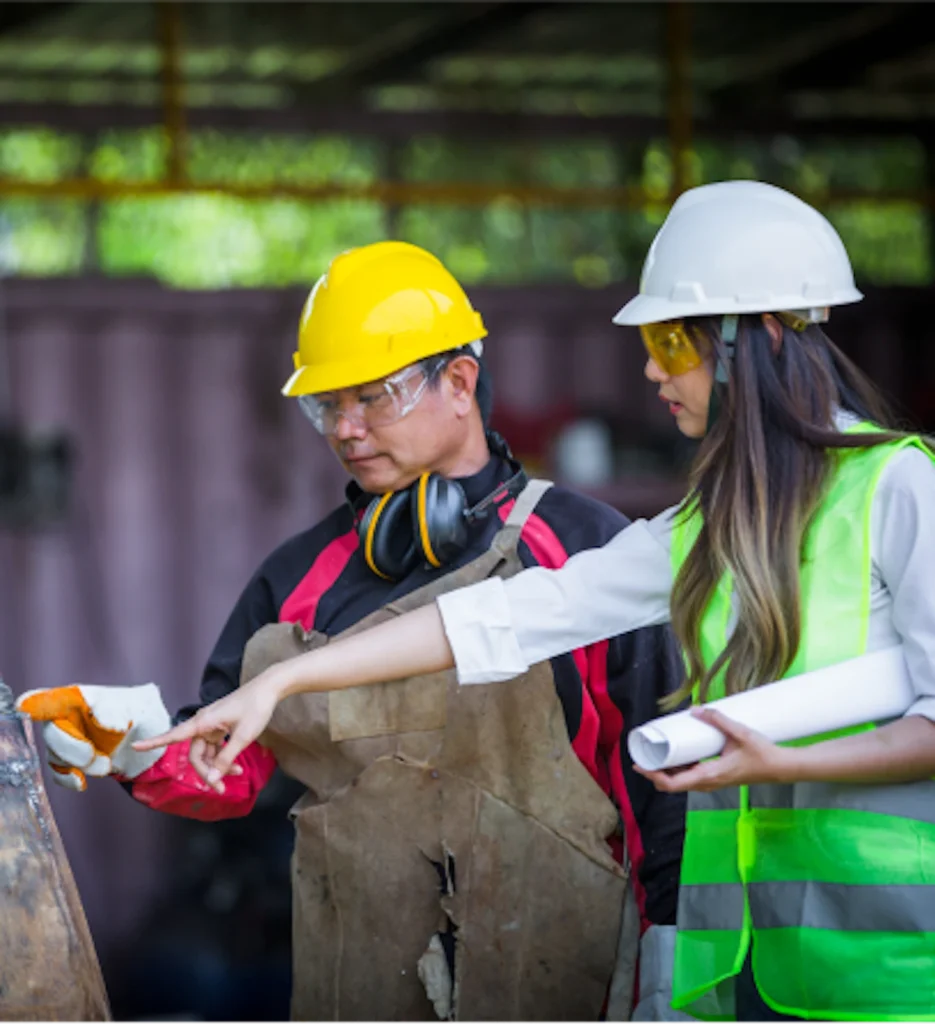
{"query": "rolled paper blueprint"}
pixel 870 688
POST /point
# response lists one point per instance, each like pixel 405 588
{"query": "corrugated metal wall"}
pixel 192 468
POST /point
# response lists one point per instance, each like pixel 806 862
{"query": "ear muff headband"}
pixel 427 549
pixel 371 531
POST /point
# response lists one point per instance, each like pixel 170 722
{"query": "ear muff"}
pixel 429 521
pixel 438 508
pixel 387 538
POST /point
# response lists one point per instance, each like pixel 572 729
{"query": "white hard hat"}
pixel 741 247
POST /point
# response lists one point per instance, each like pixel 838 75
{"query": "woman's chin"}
pixel 690 424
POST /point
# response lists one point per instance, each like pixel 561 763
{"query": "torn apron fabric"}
pixel 440 813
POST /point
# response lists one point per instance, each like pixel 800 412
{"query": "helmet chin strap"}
pixel 729 324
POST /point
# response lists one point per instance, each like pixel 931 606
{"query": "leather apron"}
pixel 436 809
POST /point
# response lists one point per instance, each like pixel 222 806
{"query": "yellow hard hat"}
pixel 375 310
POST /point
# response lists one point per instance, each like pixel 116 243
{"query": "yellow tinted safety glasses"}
pixel 672 346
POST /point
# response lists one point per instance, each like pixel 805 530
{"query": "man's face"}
pixel 389 456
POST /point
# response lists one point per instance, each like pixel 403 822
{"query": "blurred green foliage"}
pixel 39 154
pixel 43 238
pixel 131 156
pixel 505 242
pixel 219 242
pixel 215 241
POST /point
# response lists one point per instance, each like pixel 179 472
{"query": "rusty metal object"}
pixel 48 966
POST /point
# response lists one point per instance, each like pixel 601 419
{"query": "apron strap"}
pixel 526 502
pixel 508 536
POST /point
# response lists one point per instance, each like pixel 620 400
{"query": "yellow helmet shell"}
pixel 375 310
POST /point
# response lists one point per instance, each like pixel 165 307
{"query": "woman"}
pixel 807 880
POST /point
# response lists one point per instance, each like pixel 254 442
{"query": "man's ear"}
pixel 774 327
pixel 461 375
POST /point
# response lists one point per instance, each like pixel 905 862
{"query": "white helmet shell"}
pixel 740 247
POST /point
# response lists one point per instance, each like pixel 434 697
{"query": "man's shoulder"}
pixel 566 521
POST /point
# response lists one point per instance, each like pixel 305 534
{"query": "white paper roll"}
pixel 871 688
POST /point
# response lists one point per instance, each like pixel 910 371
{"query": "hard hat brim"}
pixel 651 309
pixel 312 380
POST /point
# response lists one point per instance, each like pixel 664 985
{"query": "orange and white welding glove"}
pixel 89 730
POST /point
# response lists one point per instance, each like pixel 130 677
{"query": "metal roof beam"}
pixel 447 193
pixel 16 16
pixel 356 121
pixel 835 55
pixel 396 55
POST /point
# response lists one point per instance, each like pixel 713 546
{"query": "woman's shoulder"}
pixel 909 471
pixel 904 500
pixel 903 504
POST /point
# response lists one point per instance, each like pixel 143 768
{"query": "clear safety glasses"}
pixel 673 346
pixel 373 405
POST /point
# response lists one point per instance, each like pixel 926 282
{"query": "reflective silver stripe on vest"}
pixel 710 906
pixel 913 800
pixel 851 908
pixel 719 800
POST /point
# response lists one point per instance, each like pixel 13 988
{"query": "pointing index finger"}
pixel 183 731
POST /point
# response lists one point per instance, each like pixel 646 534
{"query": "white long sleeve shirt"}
pixel 498 628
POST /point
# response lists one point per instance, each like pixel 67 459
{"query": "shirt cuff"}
pixel 479 629
pixel 924 706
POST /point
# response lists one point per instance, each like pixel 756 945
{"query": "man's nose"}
pixel 349 426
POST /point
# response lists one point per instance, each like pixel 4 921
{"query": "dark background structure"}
pixel 172 180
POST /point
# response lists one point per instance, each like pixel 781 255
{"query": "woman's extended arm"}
pixel 413 644
pixel 498 628
pixel 491 631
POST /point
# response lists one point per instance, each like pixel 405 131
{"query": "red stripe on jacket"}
pixel 550 553
pixel 597 743
pixel 612 729
pixel 302 604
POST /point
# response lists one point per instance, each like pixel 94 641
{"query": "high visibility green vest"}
pixel 833 884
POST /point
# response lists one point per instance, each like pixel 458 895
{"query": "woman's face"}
pixel 687 395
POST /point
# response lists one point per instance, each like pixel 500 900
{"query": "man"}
pixel 452 852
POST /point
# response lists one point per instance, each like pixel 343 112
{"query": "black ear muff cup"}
pixel 438 510
pixel 386 536
pixel 428 523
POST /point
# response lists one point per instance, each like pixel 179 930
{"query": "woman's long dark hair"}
pixel 758 478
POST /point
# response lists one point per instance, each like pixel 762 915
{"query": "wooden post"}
pixel 170 17
pixel 678 33
pixel 48 966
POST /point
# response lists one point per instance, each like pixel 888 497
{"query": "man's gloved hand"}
pixel 89 729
